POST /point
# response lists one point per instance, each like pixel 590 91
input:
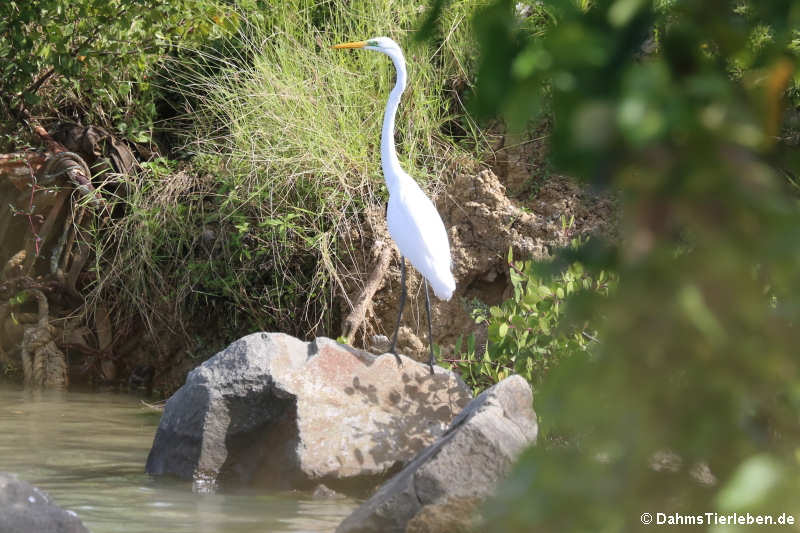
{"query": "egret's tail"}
pixel 443 285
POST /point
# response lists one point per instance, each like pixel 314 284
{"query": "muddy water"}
pixel 88 451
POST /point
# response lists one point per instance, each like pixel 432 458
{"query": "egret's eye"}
pixel 373 43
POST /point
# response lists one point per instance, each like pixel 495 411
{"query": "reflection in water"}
pixel 88 450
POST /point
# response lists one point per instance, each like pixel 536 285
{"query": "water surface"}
pixel 88 450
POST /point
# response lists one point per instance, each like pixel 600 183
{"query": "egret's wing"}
pixel 419 232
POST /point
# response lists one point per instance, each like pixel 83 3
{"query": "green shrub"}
pixel 98 56
pixel 528 334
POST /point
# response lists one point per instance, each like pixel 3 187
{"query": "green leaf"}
pixel 750 484
pixel 531 299
pixel 544 326
pixel 502 330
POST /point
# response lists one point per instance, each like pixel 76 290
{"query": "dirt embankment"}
pixel 514 205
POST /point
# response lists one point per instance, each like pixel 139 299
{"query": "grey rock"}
pixel 458 515
pixel 321 492
pixel 271 409
pixel 465 463
pixel 24 508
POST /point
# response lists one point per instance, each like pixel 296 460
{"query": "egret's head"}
pixel 379 44
pixel 382 44
pixel 388 47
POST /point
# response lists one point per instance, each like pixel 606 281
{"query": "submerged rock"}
pixel 321 492
pixel 24 508
pixel 458 471
pixel 271 409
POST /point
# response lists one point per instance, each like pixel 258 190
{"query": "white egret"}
pixel 413 221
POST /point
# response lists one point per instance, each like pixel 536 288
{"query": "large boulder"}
pixel 460 469
pixel 24 508
pixel 271 409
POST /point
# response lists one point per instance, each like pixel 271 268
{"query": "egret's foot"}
pixel 432 360
pixel 393 350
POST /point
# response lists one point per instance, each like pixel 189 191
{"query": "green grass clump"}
pixel 286 133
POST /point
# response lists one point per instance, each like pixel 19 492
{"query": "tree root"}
pixel 4 360
pixel 43 216
pixel 355 319
pixel 43 364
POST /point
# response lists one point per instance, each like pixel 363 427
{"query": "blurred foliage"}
pixel 97 55
pixel 690 402
pixel 526 334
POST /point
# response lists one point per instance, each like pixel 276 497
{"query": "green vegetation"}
pixel 697 359
pixel 527 334
pixel 258 228
pixel 97 57
pixel 284 133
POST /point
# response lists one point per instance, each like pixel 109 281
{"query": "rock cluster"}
pixel 274 410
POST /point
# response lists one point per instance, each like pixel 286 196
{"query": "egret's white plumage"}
pixel 420 236
pixel 413 221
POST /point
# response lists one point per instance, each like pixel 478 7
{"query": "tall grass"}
pixel 285 135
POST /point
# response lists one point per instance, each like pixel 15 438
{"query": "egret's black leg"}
pixel 430 327
pixel 393 349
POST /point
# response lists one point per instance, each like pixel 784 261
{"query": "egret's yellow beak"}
pixel 356 44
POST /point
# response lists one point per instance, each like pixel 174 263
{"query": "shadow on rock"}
pixel 442 487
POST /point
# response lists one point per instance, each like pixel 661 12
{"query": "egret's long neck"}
pixel 389 161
